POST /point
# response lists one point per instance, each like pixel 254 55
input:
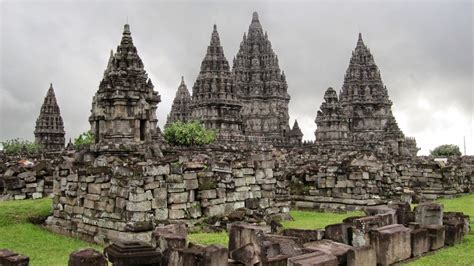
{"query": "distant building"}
pixel 49 129
pixel 180 109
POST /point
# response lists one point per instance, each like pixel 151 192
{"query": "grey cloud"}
pixel 423 49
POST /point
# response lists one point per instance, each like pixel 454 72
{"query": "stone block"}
pixel 337 232
pixel 248 254
pixel 37 195
pixel 207 194
pixel 364 255
pixel 176 214
pixel 181 197
pixel 437 236
pixel 382 210
pixel 331 247
pixel 305 235
pixel 403 212
pixel 94 188
pixel 392 243
pixel 89 256
pixel 241 234
pixel 169 236
pixel 195 255
pixel 191 184
pixel 314 258
pixel 132 253
pixel 420 242
pixel 359 228
pixel 139 206
pixel 429 213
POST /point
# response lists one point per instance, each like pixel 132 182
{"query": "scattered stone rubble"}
pixel 386 242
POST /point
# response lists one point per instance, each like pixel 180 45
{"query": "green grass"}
pixel 316 220
pixel 462 254
pixel 221 238
pixel 42 246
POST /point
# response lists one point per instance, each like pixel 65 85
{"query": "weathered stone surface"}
pixel 429 213
pixel 305 235
pixel 313 258
pixel 437 236
pixel 420 242
pixel 248 254
pixel 213 255
pixel 364 255
pixel 169 236
pixel 361 226
pixel 337 232
pixel 89 256
pixel 331 247
pixel 241 234
pixel 392 243
pixel 132 253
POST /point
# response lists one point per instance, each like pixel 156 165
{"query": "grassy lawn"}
pixel 46 248
pixel 42 246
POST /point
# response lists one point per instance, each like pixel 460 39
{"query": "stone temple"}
pixel 361 116
pixel 251 100
pixel 49 130
pixel 124 108
pixel 180 109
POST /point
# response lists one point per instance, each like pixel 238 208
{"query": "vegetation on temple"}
pixel 19 146
pixel 446 150
pixel 189 134
pixel 84 139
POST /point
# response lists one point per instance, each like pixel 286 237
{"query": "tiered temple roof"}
pixel 295 135
pixel 124 107
pixel 262 86
pixel 214 100
pixel 49 130
pixel 180 109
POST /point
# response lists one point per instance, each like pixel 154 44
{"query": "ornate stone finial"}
pixel 215 27
pixel 51 86
pixel 126 29
pixel 360 41
pixel 255 17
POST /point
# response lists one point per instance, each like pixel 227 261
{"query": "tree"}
pixel 20 146
pixel 446 150
pixel 188 134
pixel 84 139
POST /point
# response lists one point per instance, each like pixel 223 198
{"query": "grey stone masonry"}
pixel 124 107
pixel 49 130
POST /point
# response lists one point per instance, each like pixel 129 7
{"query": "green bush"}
pixel 84 139
pixel 20 146
pixel 446 150
pixel 188 134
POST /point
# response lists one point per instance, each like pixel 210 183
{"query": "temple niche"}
pixel 364 108
pixel 214 100
pixel 261 86
pixel 124 108
pixel 180 109
pixel 49 129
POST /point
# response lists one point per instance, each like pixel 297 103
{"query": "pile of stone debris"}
pixel 388 234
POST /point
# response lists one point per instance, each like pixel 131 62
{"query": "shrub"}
pixel 188 134
pixel 84 139
pixel 19 146
pixel 446 150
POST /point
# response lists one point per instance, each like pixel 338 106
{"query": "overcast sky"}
pixel 424 51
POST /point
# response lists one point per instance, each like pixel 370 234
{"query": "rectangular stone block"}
pixel 213 255
pixel 331 247
pixel 429 213
pixel 337 232
pixel 359 228
pixel 94 188
pixel 392 243
pixel 241 234
pixel 437 235
pixel 315 258
pixel 181 197
pixel 358 256
pixel 139 206
pixel 305 236
pixel 420 242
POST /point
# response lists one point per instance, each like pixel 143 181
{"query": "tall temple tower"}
pixel 365 102
pixel 214 101
pixel 262 87
pixel 124 107
pixel 49 130
pixel 295 135
pixel 180 108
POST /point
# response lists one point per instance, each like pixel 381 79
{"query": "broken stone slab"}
pixel 305 235
pixel 437 236
pixel 392 243
pixel 275 246
pixel 382 210
pixel 196 255
pixel 457 217
pixel 359 228
pixel 364 255
pixel 241 234
pixel 420 242
pixel 10 258
pixel 169 236
pixel 132 253
pixel 314 258
pixel 337 232
pixel 454 233
pixel 403 212
pixel 88 256
pixel 428 213
pixel 248 254
pixel 331 247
